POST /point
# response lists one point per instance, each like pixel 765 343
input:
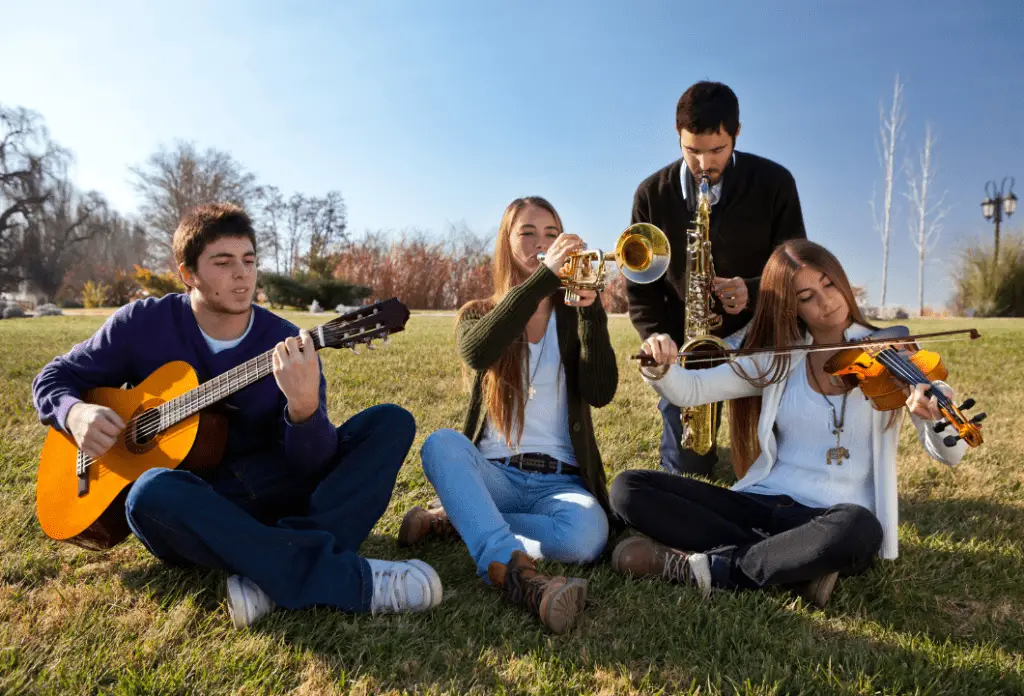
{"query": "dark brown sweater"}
pixel 591 373
pixel 759 209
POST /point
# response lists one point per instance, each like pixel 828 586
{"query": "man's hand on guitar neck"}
pixel 94 427
pixel 297 372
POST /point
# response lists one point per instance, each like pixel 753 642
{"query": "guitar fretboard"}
pixel 221 386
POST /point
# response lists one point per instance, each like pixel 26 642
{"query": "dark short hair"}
pixel 707 106
pixel 205 224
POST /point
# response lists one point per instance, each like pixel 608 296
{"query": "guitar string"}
pixel 223 386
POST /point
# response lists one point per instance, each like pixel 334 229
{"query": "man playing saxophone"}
pixel 754 207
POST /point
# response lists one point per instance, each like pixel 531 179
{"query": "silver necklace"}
pixel 837 453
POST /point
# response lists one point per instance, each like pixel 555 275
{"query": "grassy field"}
pixel 946 618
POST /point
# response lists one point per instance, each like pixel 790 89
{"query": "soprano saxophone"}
pixel 700 423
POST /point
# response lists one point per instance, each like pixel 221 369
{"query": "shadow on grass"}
pixel 645 636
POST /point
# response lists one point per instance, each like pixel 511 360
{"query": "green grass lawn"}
pixel 946 618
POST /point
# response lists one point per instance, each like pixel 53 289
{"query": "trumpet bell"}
pixel 642 253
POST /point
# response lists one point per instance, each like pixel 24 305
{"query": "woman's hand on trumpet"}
pixel 557 255
pixel 662 348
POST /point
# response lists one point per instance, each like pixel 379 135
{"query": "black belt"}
pixel 539 463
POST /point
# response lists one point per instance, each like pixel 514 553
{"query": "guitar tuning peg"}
pixel 386 341
pixel 355 348
pixel 968 403
pixel 940 425
pixel 950 440
pixel 979 418
pixel 370 346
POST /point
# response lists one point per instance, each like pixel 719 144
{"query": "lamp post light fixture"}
pixel 998 201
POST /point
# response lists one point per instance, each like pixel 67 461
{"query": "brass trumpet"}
pixel 642 253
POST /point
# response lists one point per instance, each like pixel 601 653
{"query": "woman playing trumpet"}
pixel 817 493
pixel 524 481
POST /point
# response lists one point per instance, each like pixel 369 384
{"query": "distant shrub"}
pixel 987 288
pixel 158 284
pixel 286 291
pixel 94 294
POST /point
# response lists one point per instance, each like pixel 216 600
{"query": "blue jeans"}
pixel 233 522
pixel 674 458
pixel 498 509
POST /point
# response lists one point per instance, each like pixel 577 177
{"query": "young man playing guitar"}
pixel 294 497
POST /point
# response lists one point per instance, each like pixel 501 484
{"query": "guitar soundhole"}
pixel 147 425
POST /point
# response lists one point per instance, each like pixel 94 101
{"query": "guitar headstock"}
pixel 363 325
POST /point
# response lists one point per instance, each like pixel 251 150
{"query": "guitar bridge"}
pixel 82 471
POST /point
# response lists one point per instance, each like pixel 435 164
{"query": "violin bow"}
pixel 716 355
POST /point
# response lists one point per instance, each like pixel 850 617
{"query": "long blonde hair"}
pixel 503 381
pixel 776 324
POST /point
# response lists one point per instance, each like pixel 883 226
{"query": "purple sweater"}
pixel 143 335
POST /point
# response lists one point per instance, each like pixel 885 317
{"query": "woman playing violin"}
pixel 816 495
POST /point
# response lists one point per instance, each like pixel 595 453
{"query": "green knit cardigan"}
pixel 591 372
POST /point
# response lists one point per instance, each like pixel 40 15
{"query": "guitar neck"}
pixel 223 385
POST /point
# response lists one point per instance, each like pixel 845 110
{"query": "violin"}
pixel 883 364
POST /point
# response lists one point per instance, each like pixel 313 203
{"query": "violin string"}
pixel 911 373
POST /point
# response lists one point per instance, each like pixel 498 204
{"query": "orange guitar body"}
pixel 95 517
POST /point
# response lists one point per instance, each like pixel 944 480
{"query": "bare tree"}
pixel 890 131
pixel 924 218
pixel 29 162
pixel 327 220
pixel 54 237
pixel 269 221
pixel 172 182
pixel 296 229
pixel 44 220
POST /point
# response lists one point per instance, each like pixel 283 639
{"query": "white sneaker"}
pixel 700 571
pixel 247 603
pixel 401 586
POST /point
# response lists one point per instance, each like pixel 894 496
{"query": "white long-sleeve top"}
pixel 721 383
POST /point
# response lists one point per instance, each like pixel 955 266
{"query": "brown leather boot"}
pixel 558 601
pixel 419 525
pixel 819 590
pixel 641 557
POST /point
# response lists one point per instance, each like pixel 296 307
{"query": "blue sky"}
pixel 429 113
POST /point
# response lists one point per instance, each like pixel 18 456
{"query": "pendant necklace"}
pixel 837 453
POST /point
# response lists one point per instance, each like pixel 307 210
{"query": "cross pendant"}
pixel 837 453
pixel 531 392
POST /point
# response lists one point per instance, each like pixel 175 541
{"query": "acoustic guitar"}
pixel 171 422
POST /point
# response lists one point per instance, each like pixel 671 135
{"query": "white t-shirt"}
pixel 804 435
pixel 216 345
pixel 547 413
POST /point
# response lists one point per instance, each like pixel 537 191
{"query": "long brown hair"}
pixel 503 381
pixel 776 324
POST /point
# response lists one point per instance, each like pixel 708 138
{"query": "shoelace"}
pixel 389 590
pixel 677 567
pixel 523 591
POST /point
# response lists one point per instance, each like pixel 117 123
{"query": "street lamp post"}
pixel 995 204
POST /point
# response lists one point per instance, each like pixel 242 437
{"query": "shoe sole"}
pixel 405 531
pixel 823 591
pixel 236 596
pixel 433 581
pixel 566 605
